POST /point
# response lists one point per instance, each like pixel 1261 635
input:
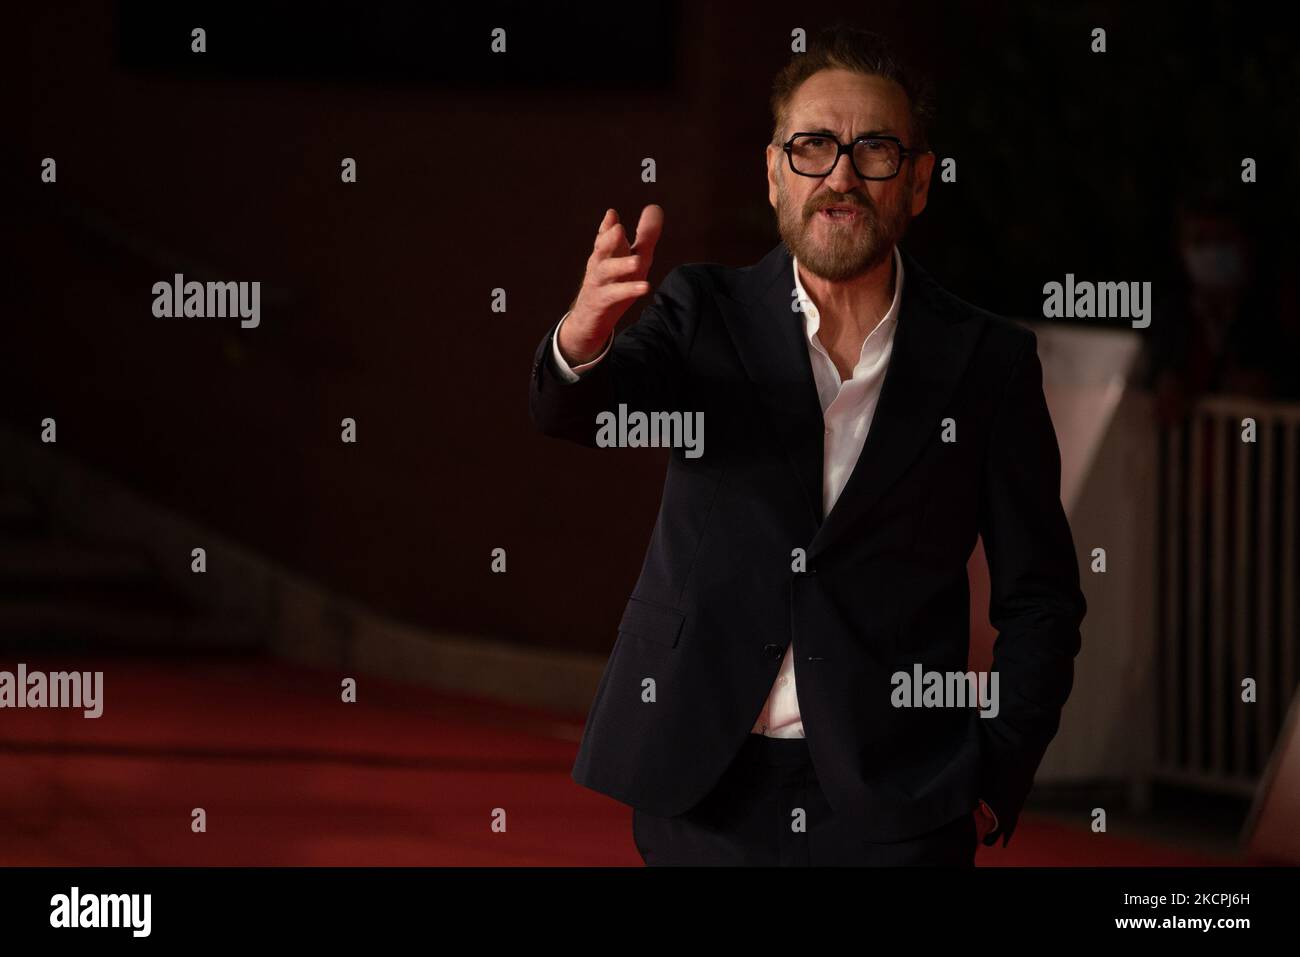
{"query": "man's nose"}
pixel 843 178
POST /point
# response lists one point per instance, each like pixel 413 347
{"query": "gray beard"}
pixel 845 259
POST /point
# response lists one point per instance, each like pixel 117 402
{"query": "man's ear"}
pixel 771 155
pixel 922 168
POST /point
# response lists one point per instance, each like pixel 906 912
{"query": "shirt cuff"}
pixel 572 373
pixel 992 814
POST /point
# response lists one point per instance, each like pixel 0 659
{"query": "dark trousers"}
pixel 750 817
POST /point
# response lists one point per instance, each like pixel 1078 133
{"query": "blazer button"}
pixel 773 651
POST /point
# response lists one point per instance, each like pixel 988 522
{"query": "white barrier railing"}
pixel 1228 577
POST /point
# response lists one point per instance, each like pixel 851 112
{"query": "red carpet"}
pixel 290 775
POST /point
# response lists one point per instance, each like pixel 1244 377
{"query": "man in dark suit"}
pixel 862 427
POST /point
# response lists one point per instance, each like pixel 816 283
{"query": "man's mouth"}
pixel 845 214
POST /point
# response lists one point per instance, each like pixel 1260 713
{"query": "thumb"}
pixel 648 229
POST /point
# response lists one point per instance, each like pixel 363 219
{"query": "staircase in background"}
pixel 60 592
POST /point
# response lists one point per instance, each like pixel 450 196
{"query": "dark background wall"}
pixel 376 296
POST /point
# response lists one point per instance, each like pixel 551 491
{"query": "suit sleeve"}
pixel 1035 602
pixel 644 368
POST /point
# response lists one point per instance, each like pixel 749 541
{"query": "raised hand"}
pixel 615 278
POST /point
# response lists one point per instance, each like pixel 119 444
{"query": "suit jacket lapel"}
pixel 932 346
pixel 769 336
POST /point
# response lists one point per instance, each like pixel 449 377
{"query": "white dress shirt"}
pixel 847 409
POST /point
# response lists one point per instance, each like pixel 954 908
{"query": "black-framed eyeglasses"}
pixel 873 157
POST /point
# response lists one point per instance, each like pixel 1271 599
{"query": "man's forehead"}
pixel 855 123
pixel 868 104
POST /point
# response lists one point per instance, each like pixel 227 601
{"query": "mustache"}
pixel 848 200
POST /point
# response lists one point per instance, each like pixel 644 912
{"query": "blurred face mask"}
pixel 1214 265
